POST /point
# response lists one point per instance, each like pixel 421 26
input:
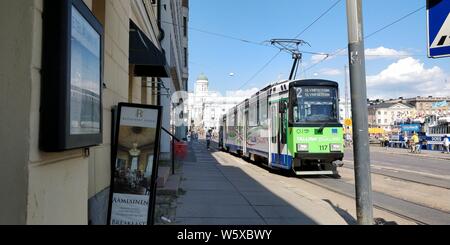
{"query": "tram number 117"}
pixel 323 147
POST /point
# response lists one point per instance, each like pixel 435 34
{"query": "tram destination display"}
pixel 134 165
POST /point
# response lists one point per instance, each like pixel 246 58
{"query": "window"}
pixel 185 58
pixel 263 109
pixel 385 121
pixel 379 121
pixel 315 104
pixel 252 112
pixel 274 124
pixel 379 112
pixel 185 26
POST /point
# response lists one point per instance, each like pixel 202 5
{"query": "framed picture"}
pixel 72 77
pixel 134 165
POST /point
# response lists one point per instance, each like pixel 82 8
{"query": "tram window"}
pixel 315 104
pixel 263 109
pixel 252 114
pixel 274 125
pixel 257 112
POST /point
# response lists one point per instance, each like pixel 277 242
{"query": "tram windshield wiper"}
pixel 322 127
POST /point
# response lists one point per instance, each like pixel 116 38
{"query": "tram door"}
pixel 282 133
pixel 274 121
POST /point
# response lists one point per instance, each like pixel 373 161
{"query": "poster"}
pixel 134 165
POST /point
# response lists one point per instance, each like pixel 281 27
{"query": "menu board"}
pixel 134 165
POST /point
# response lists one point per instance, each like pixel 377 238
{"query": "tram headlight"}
pixel 336 147
pixel 302 147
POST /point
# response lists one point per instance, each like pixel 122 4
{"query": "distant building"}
pixel 426 106
pixel 205 107
pixel 174 21
pixel 345 110
pixel 386 115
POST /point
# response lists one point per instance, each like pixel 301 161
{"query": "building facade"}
pixel 174 20
pixel 72 187
pixel 427 106
pixel 386 115
pixel 207 107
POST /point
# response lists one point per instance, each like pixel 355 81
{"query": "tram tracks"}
pixel 444 184
pixel 417 213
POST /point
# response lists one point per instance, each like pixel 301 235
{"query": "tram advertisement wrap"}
pixel 134 166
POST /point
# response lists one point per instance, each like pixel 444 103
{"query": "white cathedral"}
pixel 205 108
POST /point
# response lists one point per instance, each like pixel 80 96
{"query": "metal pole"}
pixel 364 206
pixel 293 68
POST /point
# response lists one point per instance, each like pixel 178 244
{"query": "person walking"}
pixel 386 141
pixel 415 143
pixel 348 140
pixel 208 139
pixel 446 143
pixel 405 141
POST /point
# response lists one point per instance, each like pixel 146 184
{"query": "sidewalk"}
pixel 401 151
pixel 220 190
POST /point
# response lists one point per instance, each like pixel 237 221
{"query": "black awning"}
pixel 147 59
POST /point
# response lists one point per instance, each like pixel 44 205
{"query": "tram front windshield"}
pixel 315 104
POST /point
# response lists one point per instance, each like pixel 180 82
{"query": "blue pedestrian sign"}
pixel 438 18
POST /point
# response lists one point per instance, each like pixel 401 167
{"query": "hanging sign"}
pixel 438 23
pixel 134 165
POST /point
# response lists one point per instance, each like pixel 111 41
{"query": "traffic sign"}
pixel 348 122
pixel 438 23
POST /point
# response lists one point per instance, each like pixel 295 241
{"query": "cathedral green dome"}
pixel 202 77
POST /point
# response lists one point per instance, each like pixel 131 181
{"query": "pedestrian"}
pixel 405 141
pixel 208 139
pixel 415 143
pixel 386 141
pixel 348 140
pixel 446 143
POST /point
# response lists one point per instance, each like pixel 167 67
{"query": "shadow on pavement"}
pixel 343 213
pixel 223 194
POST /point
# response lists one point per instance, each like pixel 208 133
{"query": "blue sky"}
pixel 404 71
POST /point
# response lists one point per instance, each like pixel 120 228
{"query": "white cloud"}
pixel 383 53
pixel 408 77
pixel 242 93
pixel 330 72
pixel 318 58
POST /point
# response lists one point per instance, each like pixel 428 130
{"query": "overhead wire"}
pixel 303 31
pixel 220 35
pixel 318 18
pixel 326 55
pixel 366 37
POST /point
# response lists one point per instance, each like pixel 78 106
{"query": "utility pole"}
pixel 361 150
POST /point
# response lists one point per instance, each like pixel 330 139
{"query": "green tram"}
pixel 291 125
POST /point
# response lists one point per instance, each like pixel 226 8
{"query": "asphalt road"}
pixel 423 214
pixel 430 171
